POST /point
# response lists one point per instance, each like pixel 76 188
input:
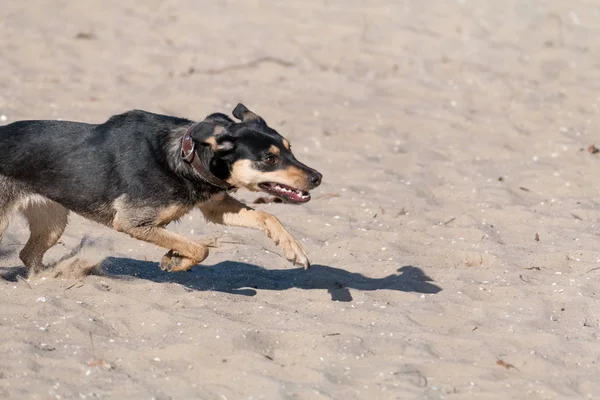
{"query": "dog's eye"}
pixel 270 159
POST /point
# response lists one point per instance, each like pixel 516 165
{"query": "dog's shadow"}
pixel 245 279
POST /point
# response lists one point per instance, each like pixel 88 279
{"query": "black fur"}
pixel 139 171
pixel 86 167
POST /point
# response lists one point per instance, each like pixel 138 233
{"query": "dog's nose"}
pixel 315 178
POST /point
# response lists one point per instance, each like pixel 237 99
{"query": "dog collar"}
pixel 188 154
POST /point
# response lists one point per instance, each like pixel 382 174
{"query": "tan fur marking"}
pixel 171 213
pixel 274 149
pixel 47 222
pixel 286 144
pixel 133 221
pixel 170 240
pixel 212 141
pixel 217 197
pixel 193 253
pixel 291 176
pixel 243 174
pixel 5 218
pixel 3 225
pixel 232 212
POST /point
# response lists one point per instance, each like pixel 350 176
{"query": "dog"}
pixel 139 171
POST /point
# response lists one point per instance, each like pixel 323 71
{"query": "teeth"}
pixel 295 192
pixel 281 188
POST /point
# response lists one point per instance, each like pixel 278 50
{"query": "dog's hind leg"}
pixel 47 222
pixel 3 222
pixel 5 211
pixel 7 203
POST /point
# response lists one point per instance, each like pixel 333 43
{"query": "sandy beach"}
pixel 455 239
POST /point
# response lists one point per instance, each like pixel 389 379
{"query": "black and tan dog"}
pixel 139 171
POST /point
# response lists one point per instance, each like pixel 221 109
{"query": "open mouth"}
pixel 286 193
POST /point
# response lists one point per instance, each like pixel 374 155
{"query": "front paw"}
pixel 293 251
pixel 174 262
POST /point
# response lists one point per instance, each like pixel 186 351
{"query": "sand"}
pixel 455 238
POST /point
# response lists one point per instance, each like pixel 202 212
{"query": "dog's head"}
pixel 251 155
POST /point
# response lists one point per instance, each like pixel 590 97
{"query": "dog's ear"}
pixel 214 136
pixel 242 113
pixel 221 143
pixel 220 119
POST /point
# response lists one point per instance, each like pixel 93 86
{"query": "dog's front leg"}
pixel 147 223
pixel 183 253
pixel 226 210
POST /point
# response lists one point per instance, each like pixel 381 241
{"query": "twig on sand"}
pixel 216 242
pixel 450 220
pixel 93 347
pixel 228 242
pixel 250 64
pixel 506 365
pixel 327 196
pixel 271 252
pixel 19 277
pixel 71 286
pixel 96 362
pixel 85 35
